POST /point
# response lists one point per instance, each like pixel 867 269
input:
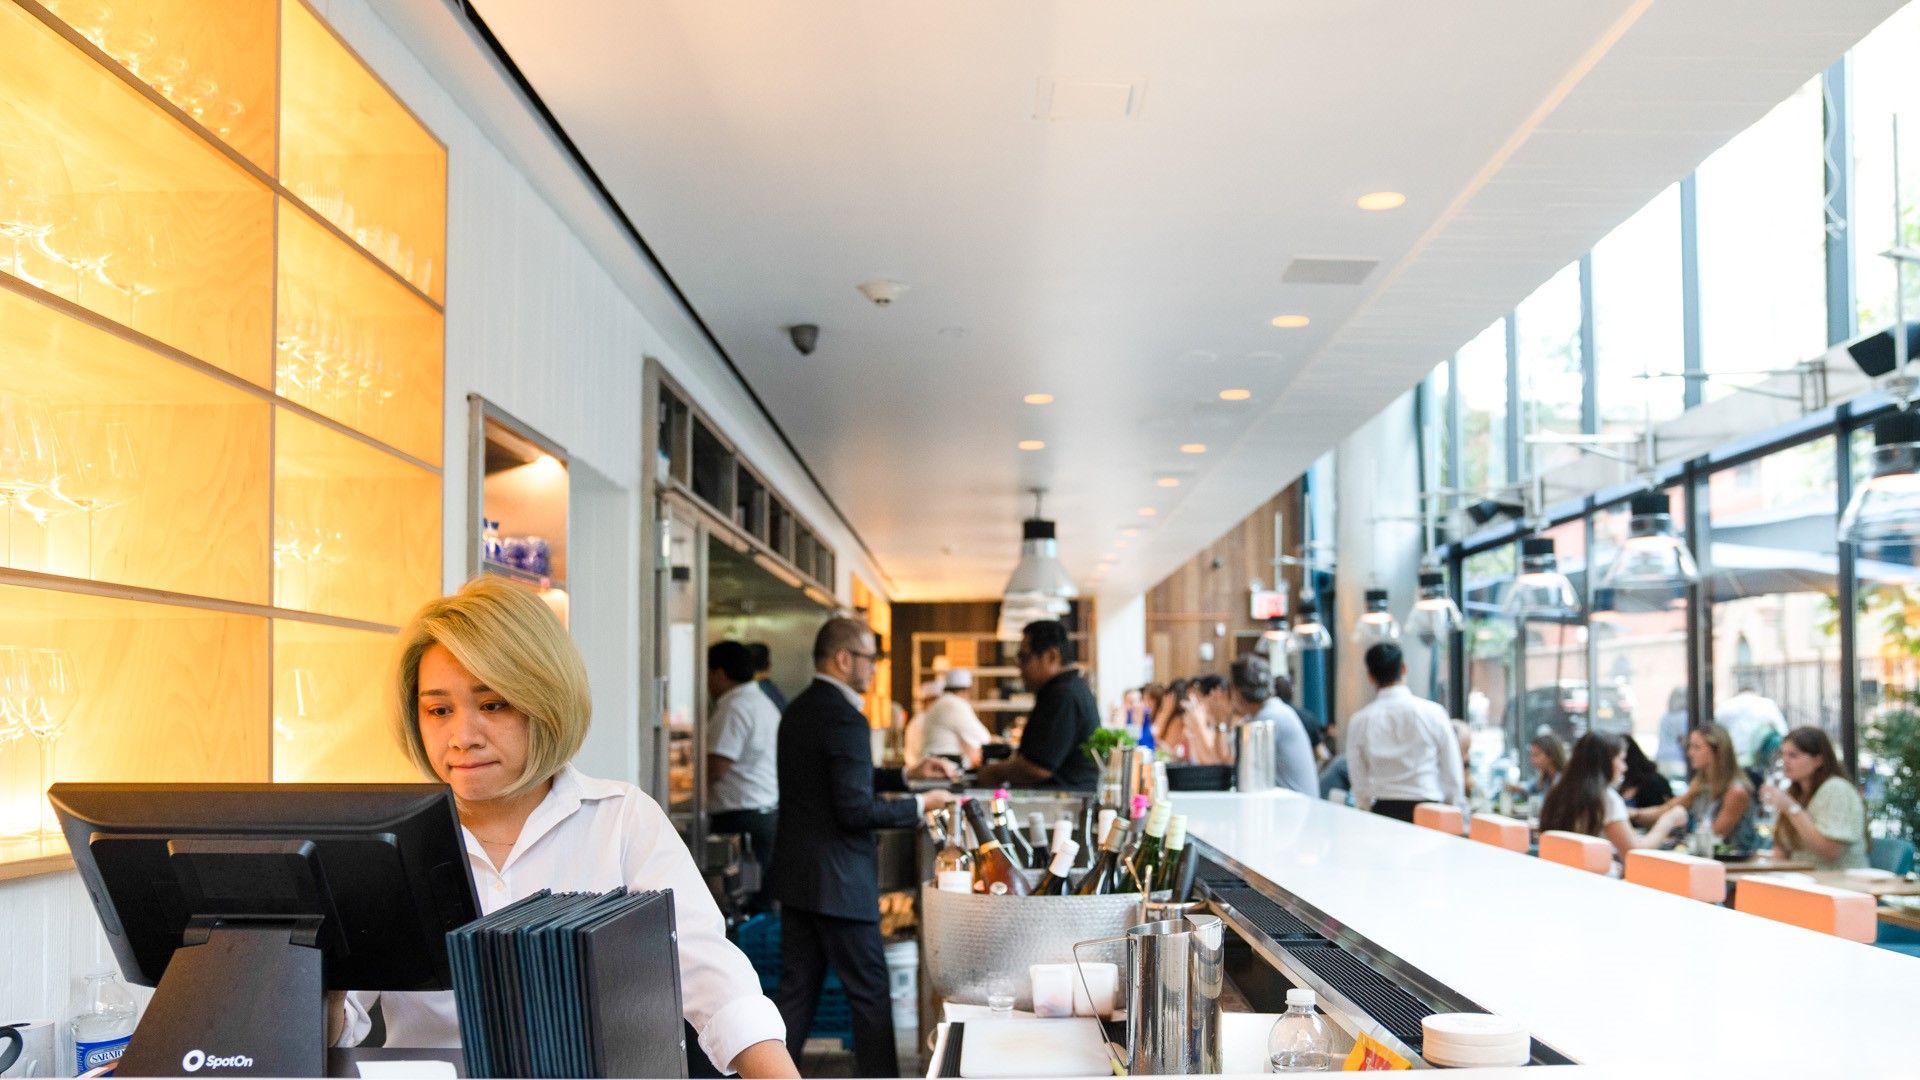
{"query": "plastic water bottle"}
pixel 104 1023
pixel 1299 1041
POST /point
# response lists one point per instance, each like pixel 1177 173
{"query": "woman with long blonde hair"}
pixel 1718 796
pixel 490 698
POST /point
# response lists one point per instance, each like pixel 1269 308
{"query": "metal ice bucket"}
pixel 1174 972
pixel 969 938
pixel 1253 756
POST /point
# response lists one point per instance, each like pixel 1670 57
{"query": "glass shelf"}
pixel 352 152
pixel 108 202
pixel 123 466
pixel 331 702
pixel 98 671
pixel 354 344
pixel 212 58
pixel 349 520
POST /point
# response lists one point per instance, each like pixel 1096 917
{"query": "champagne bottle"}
pixel 1175 849
pixel 1055 881
pixel 952 865
pixel 993 869
pixel 1146 861
pixel 1099 877
pixel 1062 836
pixel 1008 832
pixel 1184 873
pixel 1037 841
pixel 1088 839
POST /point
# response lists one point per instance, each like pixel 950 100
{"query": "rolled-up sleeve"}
pixel 719 991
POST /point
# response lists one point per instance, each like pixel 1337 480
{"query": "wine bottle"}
pixel 1146 860
pixel 1055 881
pixel 1176 848
pixel 1183 874
pixel 1062 836
pixel 1099 878
pixel 1126 875
pixel 1088 839
pixel 1139 807
pixel 993 869
pixel 1037 841
pixel 952 865
pixel 1008 832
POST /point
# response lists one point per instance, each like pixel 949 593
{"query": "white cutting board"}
pixel 1069 1046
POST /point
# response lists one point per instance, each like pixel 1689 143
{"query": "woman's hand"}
pixel 1776 800
pixel 767 1058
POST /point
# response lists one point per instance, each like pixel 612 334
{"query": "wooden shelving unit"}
pixel 222 249
pixel 997 688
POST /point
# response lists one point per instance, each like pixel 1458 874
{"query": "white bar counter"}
pixel 1618 977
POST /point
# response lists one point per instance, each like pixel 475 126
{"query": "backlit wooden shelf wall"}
pixel 222 244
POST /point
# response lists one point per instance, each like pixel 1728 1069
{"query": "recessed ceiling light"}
pixel 1290 322
pixel 1038 399
pixel 1148 511
pixel 1032 444
pixel 1235 394
pixel 1381 200
pixel 1168 481
pixel 1193 448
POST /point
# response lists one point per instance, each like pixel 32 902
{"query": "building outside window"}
pixel 1772 578
pixel 1640 648
pixel 1762 229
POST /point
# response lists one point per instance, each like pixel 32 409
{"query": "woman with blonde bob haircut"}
pixel 491 699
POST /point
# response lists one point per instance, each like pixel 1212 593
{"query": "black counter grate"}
pixel 1212 873
pixel 1393 1008
pixel 1266 916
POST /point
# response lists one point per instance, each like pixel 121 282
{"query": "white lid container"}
pixel 1467 1040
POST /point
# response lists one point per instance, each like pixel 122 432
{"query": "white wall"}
pixel 1121 645
pixel 1378 541
pixel 550 314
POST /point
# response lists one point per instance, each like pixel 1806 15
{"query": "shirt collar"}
pixel 721 702
pixel 1067 674
pixel 571 789
pixel 843 688
pixel 1395 692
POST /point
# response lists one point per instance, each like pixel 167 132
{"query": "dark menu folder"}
pixel 571 984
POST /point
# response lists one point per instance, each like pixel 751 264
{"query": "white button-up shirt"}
pixel 745 731
pixel 1403 748
pixel 591 835
pixel 950 727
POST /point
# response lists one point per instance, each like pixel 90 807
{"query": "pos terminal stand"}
pixel 244 903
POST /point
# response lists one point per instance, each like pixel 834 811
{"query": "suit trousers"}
pixel 809 944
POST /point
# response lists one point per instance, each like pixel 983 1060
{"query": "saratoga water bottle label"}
pixel 89 1056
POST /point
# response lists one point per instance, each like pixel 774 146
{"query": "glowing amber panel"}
pixel 153 693
pixel 356 529
pixel 331 700
pixel 354 344
pixel 212 58
pixel 350 150
pixel 107 201
pixel 128 467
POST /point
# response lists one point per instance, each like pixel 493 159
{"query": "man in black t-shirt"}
pixel 1064 717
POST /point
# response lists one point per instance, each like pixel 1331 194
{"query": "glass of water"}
pixel 1001 993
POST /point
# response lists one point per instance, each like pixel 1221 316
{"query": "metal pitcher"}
pixel 1174 976
pixel 1253 756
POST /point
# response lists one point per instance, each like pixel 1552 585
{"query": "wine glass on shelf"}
pixel 294 702
pixel 15 701
pixel 97 467
pixel 27 455
pixel 35 192
pixel 55 685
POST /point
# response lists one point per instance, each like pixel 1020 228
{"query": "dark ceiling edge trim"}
pixel 533 100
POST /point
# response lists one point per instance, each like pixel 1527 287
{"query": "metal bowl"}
pixel 968 938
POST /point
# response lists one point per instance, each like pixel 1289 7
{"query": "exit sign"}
pixel 1269 604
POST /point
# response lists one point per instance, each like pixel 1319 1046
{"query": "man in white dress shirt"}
pixel 1401 750
pixel 1749 718
pixel 743 781
pixel 951 728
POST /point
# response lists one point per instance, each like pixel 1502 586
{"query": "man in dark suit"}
pixel 824 872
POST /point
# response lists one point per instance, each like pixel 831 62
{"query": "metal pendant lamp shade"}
pixel 1886 507
pixel 1040 588
pixel 1652 558
pixel 1435 616
pixel 1309 634
pixel 1541 590
pixel 1376 624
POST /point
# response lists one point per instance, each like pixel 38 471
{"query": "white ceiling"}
pixel 775 154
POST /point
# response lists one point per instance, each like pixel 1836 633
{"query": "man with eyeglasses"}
pixel 1052 748
pixel 824 871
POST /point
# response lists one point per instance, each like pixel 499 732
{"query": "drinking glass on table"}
pixel 1001 993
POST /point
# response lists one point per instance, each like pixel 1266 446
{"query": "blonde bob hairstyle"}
pixel 511 641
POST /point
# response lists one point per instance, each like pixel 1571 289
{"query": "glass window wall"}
pixel 1640 647
pixel 1552 379
pixel 1638 319
pixel 1762 224
pixel 1883 87
pixel 1482 370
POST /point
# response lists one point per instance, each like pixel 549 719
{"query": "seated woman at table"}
pixel 489 696
pixel 1548 756
pixel 1643 787
pixel 1822 817
pixel 1188 733
pixel 1718 797
pixel 1583 799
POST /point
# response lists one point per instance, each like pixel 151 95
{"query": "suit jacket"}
pixel 823 850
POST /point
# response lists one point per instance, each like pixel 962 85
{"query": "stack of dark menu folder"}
pixel 571 984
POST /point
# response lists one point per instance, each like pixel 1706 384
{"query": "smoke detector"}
pixel 882 291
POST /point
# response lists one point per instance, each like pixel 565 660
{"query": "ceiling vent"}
pixel 1089 99
pixel 1328 271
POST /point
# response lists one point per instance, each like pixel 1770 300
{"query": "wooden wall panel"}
pixel 946 616
pixel 1211 589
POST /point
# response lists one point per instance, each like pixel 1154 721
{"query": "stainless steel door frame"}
pixel 681 542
